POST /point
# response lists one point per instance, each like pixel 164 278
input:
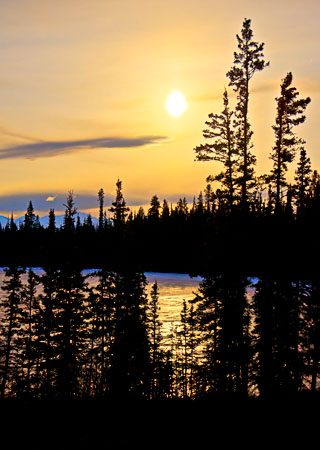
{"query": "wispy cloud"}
pixel 54 148
pixel 5 132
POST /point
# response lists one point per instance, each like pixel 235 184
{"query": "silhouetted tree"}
pixel 28 337
pixel 11 310
pixel 277 312
pixel 70 332
pixel 223 319
pixel 264 329
pixel 268 203
pixel 37 224
pixel 119 208
pixel 88 224
pixel 101 319
pixel 140 215
pixel 130 365
pixel 29 218
pixel 47 327
pixel 247 61
pixel 12 225
pixel 209 198
pixel 187 342
pixel 52 221
pixel 165 210
pixel 101 212
pixel 155 323
pixel 182 208
pixel 222 149
pixel 289 205
pixel 302 181
pixel 154 210
pixel 155 342
pixel 69 216
pixel 289 114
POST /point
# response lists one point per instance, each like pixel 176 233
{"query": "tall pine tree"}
pixel 221 148
pixel 290 111
pixel 247 61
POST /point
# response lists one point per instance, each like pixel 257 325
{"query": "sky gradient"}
pixel 83 86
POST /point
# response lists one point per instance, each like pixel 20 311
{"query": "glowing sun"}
pixel 176 103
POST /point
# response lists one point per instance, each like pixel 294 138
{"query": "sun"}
pixel 176 103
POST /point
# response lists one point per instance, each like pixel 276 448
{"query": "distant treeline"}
pixel 204 237
pixel 66 335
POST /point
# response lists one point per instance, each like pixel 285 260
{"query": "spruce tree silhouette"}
pixel 247 61
pixel 47 328
pixel 70 333
pixel 277 311
pixel 11 311
pixel 52 221
pixel 119 208
pixel 222 316
pixel 29 218
pixel 154 210
pixel 222 149
pixel 69 217
pixel 186 347
pixel 101 317
pixel 101 210
pixel 155 340
pixel 290 111
pixel 263 336
pixel 11 225
pixel 27 360
pixel 130 361
pixel 165 214
pixel 160 359
pixel 302 184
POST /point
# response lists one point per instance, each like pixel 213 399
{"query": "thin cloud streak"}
pixel 54 148
pixel 6 132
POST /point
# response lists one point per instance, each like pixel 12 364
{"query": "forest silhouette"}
pixel 66 337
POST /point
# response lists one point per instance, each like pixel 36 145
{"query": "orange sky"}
pixel 83 86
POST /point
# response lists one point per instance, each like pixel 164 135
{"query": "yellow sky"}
pixel 101 69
